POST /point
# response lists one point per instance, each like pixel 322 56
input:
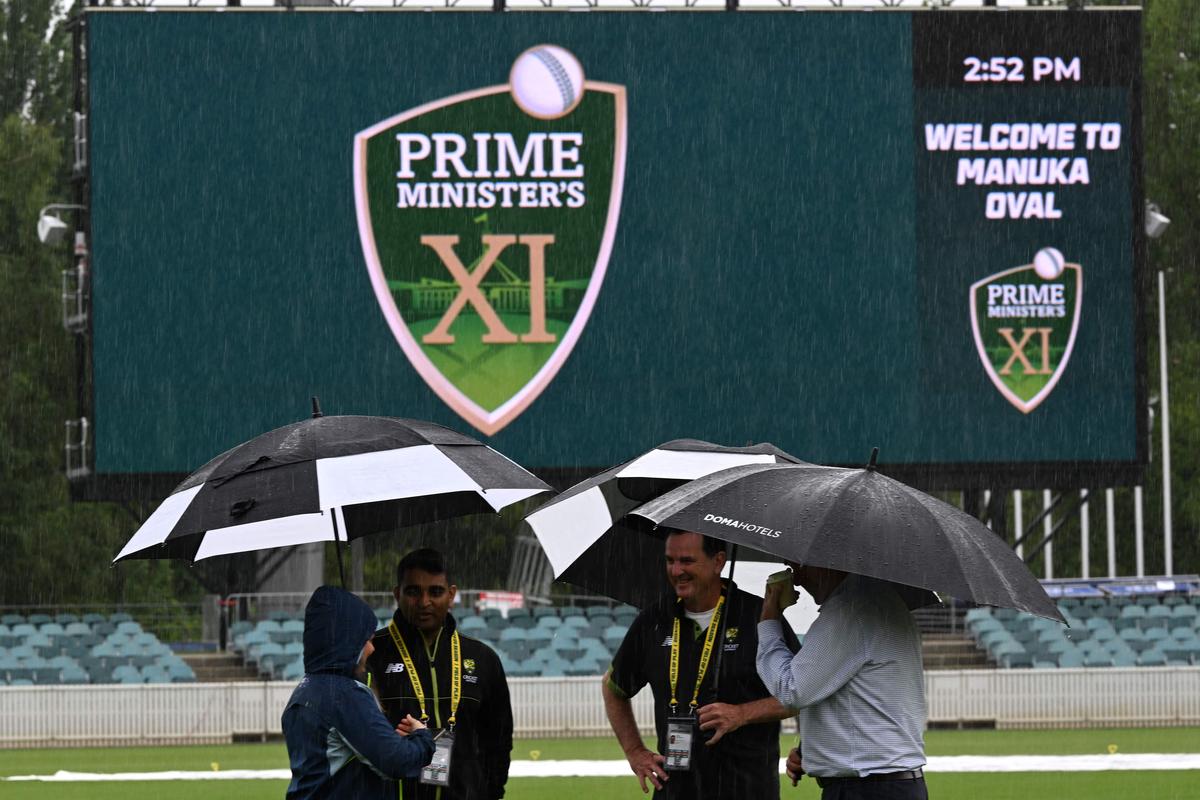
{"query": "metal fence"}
pixel 38 716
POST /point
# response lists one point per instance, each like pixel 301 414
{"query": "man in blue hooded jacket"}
pixel 339 742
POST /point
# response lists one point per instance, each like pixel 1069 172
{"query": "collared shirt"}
pixel 857 682
pixel 745 763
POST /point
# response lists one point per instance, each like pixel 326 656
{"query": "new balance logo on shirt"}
pixel 394 667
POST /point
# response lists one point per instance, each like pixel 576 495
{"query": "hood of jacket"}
pixel 337 625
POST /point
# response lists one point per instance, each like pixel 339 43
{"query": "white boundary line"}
pixel 616 769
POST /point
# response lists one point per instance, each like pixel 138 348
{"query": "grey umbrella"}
pixel 855 520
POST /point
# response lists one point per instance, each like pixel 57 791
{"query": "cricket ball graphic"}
pixel 1048 263
pixel 546 81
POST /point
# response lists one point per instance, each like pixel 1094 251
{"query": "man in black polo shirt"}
pixel 424 667
pixel 721 743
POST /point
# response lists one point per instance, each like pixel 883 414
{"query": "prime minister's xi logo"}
pixel 1025 320
pixel 487 219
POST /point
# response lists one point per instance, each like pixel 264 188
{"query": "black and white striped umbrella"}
pixel 329 479
pixel 582 532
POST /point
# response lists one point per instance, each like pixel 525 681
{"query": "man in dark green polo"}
pixel 715 739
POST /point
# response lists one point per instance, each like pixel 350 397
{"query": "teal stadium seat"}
pixel 153 674
pixel 1078 634
pixel 555 668
pixel 75 675
pixel 1083 612
pixel 240 627
pixel 65 619
pixel 625 615
pixel 181 673
pixel 1124 660
pixel 127 674
pixel 1071 660
pixel 520 618
pixel 119 617
pixel 1158 614
pixel 516 650
pixel 93 618
pixel 1157 634
pixel 539 637
pixel 1152 658
pixel 77 629
pixel 613 636
pixel 39 619
pixel 1181 633
pixel 294 671
pixel 1185 613
pixel 524 669
pixel 1016 660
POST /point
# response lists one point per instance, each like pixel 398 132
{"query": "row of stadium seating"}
pixel 40 650
pixel 1118 633
pixel 64 619
pixel 550 642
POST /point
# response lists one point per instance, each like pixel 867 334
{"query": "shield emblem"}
pixel 487 220
pixel 1024 320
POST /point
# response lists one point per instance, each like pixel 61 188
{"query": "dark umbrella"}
pixel 859 521
pixel 329 479
pixel 583 530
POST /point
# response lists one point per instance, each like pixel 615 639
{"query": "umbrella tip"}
pixel 316 404
pixel 874 459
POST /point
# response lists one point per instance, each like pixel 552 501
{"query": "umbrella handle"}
pixel 724 621
pixel 336 542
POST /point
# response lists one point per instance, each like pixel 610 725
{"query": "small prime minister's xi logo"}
pixel 487 219
pixel 1025 320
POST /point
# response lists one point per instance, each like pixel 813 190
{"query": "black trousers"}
pixel 876 790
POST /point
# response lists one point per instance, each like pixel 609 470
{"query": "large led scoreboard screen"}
pixel 579 235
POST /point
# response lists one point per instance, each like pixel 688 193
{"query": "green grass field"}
pixel 1161 785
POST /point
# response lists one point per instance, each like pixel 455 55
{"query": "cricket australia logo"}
pixel 1025 320
pixel 487 220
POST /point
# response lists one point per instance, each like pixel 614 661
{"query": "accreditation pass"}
pixel 680 733
pixel 438 771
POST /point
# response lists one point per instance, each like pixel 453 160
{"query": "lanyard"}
pixel 709 638
pixel 418 690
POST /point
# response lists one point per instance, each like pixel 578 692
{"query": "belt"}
pixel 907 775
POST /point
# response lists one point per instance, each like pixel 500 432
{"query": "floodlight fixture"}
pixel 51 230
pixel 1156 222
